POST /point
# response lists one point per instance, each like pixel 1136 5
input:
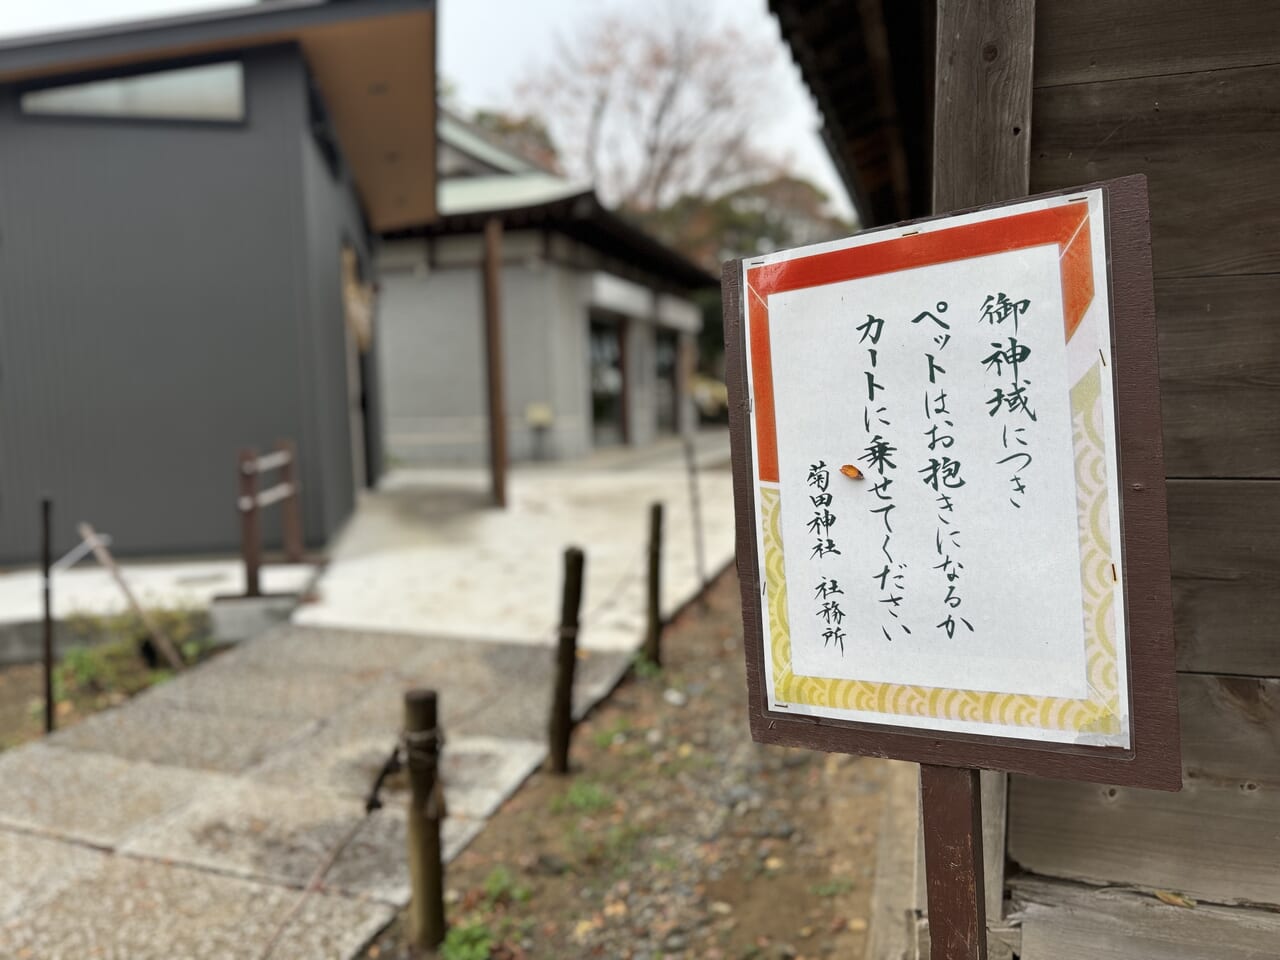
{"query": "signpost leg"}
pixel 951 798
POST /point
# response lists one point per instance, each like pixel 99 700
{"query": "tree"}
pixel 648 108
pixel 778 211
pixel 525 136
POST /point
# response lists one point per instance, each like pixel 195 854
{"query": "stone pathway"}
pixel 186 822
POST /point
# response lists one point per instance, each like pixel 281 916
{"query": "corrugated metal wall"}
pixel 169 293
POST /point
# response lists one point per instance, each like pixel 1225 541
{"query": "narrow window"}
pixel 213 91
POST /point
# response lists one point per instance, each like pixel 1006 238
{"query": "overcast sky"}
pixel 486 46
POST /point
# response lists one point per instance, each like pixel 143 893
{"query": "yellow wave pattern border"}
pixel 1098 713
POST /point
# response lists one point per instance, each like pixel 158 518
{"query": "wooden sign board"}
pixel 950 491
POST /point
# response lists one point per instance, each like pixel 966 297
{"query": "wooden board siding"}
pixel 1217 840
pixel 1207 141
pixel 1060 920
pixel 1224 539
pixel 1079 41
pixel 1187 92
pixel 1220 375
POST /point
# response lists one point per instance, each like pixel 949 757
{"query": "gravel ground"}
pixel 675 836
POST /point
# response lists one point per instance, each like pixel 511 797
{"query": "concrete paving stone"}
pixel 478 573
pixel 375 864
pixel 147 729
pixel 244 688
pixel 338 759
pixel 506 687
pixel 93 797
pixel 142 910
pixel 253 830
pixel 347 650
pixel 481 772
pixel 34 869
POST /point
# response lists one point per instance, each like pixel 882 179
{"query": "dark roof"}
pixel 869 66
pixel 133 41
pixel 583 217
pixel 373 61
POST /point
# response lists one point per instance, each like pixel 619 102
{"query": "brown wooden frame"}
pixel 1154 759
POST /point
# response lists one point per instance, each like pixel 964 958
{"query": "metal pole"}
pixel 291 506
pixel 560 728
pixel 46 565
pixel 951 800
pixel 250 533
pixel 653 625
pixel 426 871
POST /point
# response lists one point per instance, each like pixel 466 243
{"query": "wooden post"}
pixel 291 506
pixel 46 566
pixel 426 872
pixel 695 510
pixel 653 606
pixel 981 154
pixel 250 529
pixel 158 636
pixel 560 728
pixel 493 359
pixel 951 799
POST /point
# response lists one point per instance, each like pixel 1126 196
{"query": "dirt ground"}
pixel 675 836
pixel 95 676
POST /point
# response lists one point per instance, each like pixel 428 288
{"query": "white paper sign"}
pixel 935 454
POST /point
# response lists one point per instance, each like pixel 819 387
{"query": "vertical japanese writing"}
pixel 942 471
pixel 1007 361
pixel 827 592
pixel 878 456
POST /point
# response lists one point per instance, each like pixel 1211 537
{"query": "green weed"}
pixel 583 797
pixel 474 941
pixel 501 887
pixel 832 888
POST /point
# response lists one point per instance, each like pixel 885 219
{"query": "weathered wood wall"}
pixel 1187 92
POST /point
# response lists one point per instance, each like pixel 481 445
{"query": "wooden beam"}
pixel 951 798
pixel 492 277
pixel 982 102
pixel 981 154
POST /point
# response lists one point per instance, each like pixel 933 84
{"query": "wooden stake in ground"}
pixel 560 728
pixel 653 619
pixel 495 383
pixel 46 565
pixel 426 810
pixel 158 637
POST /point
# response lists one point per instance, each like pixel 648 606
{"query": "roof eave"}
pixel 74 51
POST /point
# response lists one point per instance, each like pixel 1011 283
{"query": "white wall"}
pixel 431 342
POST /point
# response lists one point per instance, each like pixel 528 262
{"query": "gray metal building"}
pixel 186 214
pixel 598 326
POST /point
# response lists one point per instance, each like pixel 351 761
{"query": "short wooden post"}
pixel 426 871
pixel 951 800
pixel 560 728
pixel 653 619
pixel 46 566
pixel 494 375
pixel 291 506
pixel 250 525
